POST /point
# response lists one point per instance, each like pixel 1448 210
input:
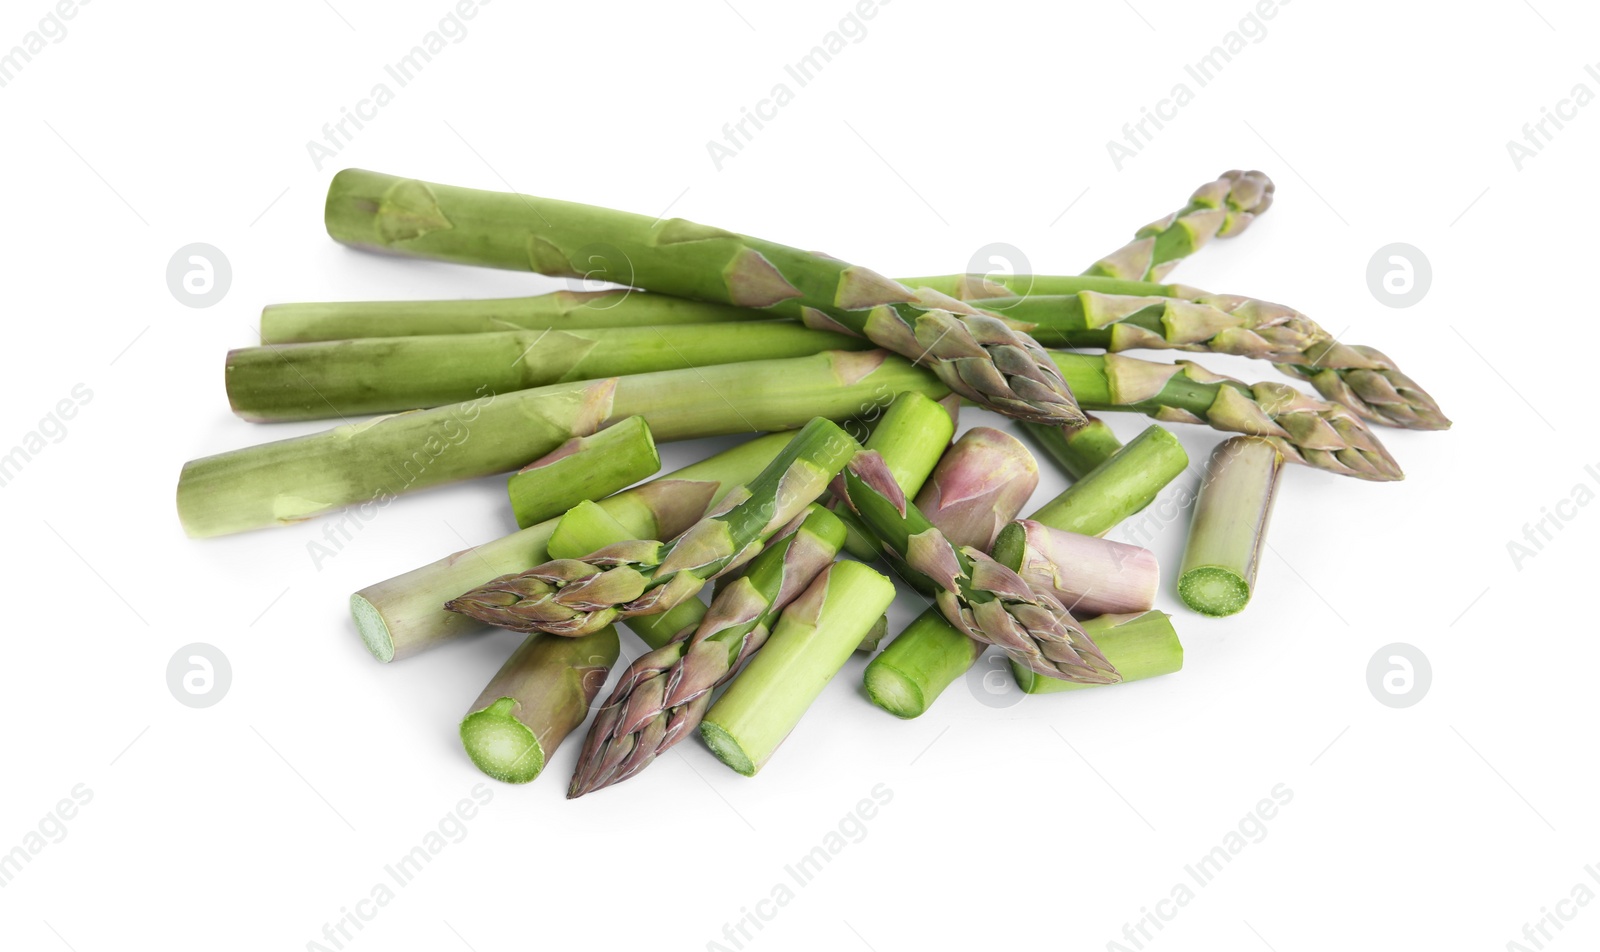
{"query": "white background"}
pixel 252 823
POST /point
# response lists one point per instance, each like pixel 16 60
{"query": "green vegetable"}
pixel 584 467
pixel 1229 527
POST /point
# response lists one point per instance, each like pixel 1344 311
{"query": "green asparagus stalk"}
pixel 584 467
pixel 974 354
pixel 912 435
pixel 812 640
pixel 538 697
pixel 1218 209
pixel 388 374
pixel 662 695
pixel 372 462
pixel 1089 575
pixel 927 657
pixel 979 596
pixel 1229 526
pixel 1119 487
pixel 1142 646
pixel 1077 449
pixel 643 577
pixel 558 310
pixel 404 615
pixel 980 484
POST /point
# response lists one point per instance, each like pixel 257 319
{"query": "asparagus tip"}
pixel 373 629
pixel 1212 590
pixel 500 745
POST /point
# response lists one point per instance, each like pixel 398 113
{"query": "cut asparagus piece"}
pixel 662 695
pixel 582 468
pixel 1077 449
pixel 1089 575
pixel 540 695
pixel 975 354
pixel 388 374
pixel 874 636
pixel 918 665
pixel 1229 527
pixel 558 310
pixel 1141 646
pixel 372 462
pixel 404 615
pixel 980 484
pixel 812 640
pixel 1119 487
pixel 912 435
pixel 1218 209
pixel 644 577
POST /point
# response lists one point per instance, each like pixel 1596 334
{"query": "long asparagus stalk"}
pixel 404 615
pixel 975 354
pixel 584 467
pixel 812 640
pixel 372 462
pixel 1142 646
pixel 386 374
pixel 539 696
pixel 644 577
pixel 1218 209
pixel 1229 526
pixel 662 695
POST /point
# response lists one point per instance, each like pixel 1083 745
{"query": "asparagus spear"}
pixel 910 437
pixel 979 596
pixel 975 354
pixel 1142 646
pixel 814 637
pixel 537 698
pixel 1076 448
pixel 662 695
pixel 1229 526
pixel 1089 575
pixel 372 462
pixel 644 577
pixel 387 374
pixel 1126 482
pixel 981 482
pixel 1218 209
pixel 403 615
pixel 584 467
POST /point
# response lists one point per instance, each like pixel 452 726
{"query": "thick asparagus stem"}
pixel 537 698
pixel 1142 646
pixel 912 435
pixel 1077 449
pixel 404 615
pixel 388 374
pixel 1119 487
pixel 558 310
pixel 906 677
pixel 644 577
pixel 1089 575
pixel 980 484
pixel 662 695
pixel 975 354
pixel 370 463
pixel 1218 209
pixel 1229 526
pixel 812 640
pixel 584 467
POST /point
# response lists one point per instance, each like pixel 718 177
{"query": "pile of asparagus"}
pixel 856 379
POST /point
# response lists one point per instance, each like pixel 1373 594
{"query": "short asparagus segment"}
pixel 404 615
pixel 1141 646
pixel 584 467
pixel 973 353
pixel 906 677
pixel 662 695
pixel 1077 449
pixel 1229 527
pixel 1119 487
pixel 1218 209
pixel 1089 575
pixel 980 484
pixel 812 640
pixel 344 378
pixel 911 436
pixel 540 695
pixel 643 577
pixel 558 310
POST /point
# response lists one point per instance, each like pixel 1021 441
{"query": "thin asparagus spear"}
pixel 1142 646
pixel 981 482
pixel 975 354
pixel 662 695
pixel 1223 551
pixel 812 640
pixel 644 577
pixel 404 615
pixel 1218 209
pixel 1119 487
pixel 387 374
pixel 1089 575
pixel 584 467
pixel 539 695
pixel 1077 449
pixel 912 435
